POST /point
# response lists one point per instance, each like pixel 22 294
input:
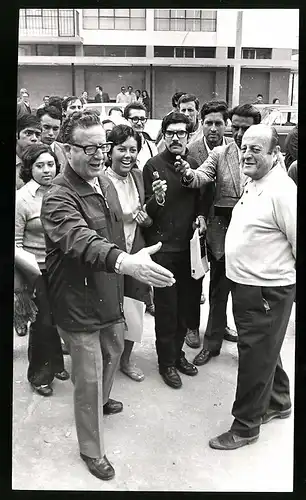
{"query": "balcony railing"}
pixel 49 22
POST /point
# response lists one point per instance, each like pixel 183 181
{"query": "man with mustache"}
pixel 173 214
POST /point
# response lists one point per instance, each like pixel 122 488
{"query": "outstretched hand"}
pixel 141 267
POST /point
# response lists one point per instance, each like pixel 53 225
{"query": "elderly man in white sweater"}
pixel 260 250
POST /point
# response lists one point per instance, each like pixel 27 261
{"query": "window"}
pixel 50 22
pixel 46 50
pixel 24 50
pixel 66 50
pixel 250 53
pixel 163 51
pixel 205 52
pixel 114 19
pixel 199 52
pixel 231 52
pixel 115 51
pixel 185 20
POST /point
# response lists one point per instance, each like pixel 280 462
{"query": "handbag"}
pixel 198 256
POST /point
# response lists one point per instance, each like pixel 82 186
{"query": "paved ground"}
pixel 160 441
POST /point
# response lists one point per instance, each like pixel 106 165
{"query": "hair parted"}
pixel 189 98
pixel 79 119
pixel 120 134
pixel 215 107
pixel 115 108
pixel 52 111
pixel 176 117
pixel 247 110
pixel 132 105
pixel 29 157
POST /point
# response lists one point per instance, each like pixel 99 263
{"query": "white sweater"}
pixel 260 243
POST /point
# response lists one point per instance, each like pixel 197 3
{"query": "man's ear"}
pixel 67 148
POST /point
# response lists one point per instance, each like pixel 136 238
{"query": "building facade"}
pixel 65 51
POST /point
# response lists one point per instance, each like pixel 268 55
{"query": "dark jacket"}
pixel 172 223
pixel 102 98
pixel 291 146
pixel 83 231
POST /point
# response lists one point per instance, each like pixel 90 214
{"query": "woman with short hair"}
pixel 39 167
pixel 128 182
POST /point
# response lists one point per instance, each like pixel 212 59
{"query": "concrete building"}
pixel 211 53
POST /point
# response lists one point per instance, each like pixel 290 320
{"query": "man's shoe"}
pixel 150 309
pixel 63 375
pixel 231 441
pixel 64 349
pixel 192 338
pixel 230 335
pixel 204 356
pixel 99 467
pixel 270 414
pixel 185 367
pixel 203 299
pixel 43 390
pixel 22 331
pixel 171 377
pixel 112 407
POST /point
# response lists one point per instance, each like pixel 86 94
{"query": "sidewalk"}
pixel 160 440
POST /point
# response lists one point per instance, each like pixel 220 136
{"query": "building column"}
pixel 237 65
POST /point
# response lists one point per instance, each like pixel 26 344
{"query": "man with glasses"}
pixel 28 132
pixel 136 114
pixel 82 219
pixel 174 211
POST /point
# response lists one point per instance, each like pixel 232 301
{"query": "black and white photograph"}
pixel 155 247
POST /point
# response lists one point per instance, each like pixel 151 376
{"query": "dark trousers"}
pixel 148 297
pixel 261 315
pixel 44 348
pixel 219 289
pixel 171 307
pixel 194 310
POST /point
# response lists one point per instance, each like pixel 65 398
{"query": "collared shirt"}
pixel 260 243
pixel 147 151
pixel 28 228
pixel 94 183
pixel 52 146
pixel 122 98
pixel 130 203
pixel 210 149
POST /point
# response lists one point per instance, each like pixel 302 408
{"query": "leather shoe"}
pixel 231 441
pixel 171 377
pixel 43 390
pixel 112 407
pixel 99 467
pixel 230 335
pixel 270 414
pixel 192 338
pixel 204 356
pixel 185 367
pixel 63 375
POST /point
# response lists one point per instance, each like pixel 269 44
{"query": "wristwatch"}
pixel 119 262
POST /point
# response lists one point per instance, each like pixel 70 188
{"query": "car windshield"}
pixel 275 116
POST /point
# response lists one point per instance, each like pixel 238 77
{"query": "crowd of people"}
pixel 104 220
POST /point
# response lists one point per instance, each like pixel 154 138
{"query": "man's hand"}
pixel 183 167
pixel 200 223
pixel 141 267
pixel 159 189
pixel 143 219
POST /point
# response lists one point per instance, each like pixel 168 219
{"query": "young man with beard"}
pixel 173 213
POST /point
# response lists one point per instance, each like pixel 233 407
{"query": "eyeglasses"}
pixel 137 119
pixel 179 133
pixel 92 149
